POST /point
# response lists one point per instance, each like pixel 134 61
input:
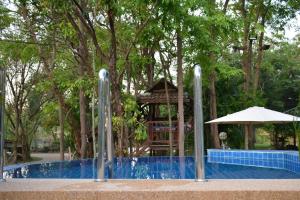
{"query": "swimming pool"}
pixel 145 168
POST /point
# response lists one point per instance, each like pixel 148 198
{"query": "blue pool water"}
pixel 146 168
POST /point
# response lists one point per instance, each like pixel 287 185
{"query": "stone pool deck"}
pixel 54 189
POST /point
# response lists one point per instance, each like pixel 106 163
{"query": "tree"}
pixel 22 75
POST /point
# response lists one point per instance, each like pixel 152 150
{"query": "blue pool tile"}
pixel 235 154
pixel 269 155
pixel 281 165
pixel 273 159
pixel 295 158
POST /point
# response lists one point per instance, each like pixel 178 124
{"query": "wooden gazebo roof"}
pixel 157 94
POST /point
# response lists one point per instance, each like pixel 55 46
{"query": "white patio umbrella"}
pixel 255 115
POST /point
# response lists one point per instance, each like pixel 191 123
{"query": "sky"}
pixel 293 28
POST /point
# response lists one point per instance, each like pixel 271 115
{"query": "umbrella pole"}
pixel 246 130
pixel 252 136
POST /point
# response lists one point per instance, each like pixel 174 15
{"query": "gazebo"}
pixel 151 103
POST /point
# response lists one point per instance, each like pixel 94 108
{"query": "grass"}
pixel 264 146
pixel 263 140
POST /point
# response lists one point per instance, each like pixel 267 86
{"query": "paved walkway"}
pixel 49 156
pixel 37 189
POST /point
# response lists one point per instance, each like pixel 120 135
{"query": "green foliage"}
pixel 5 18
pixel 163 110
pixel 132 117
pixel 226 72
pixel 281 68
pixel 117 124
pixel 296 127
pixel 50 117
pixel 141 132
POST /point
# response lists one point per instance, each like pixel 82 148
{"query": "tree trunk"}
pixel 169 115
pixel 85 70
pixel 17 134
pixel 180 95
pixel 25 145
pixel 251 136
pixel 213 110
pixel 260 47
pixel 61 132
pixel 126 128
pixel 258 62
pixel 212 79
pixel 225 6
pixel 246 59
pixel 83 129
pixel 83 61
pixel 148 53
pixel 115 79
pixel 116 85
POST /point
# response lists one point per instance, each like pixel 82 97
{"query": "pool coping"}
pixel 37 189
pixel 152 185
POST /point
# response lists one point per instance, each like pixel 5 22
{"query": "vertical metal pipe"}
pixel 103 81
pixel 2 130
pixel 198 126
pixel 110 146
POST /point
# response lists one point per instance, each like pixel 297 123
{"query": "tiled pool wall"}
pixel 288 160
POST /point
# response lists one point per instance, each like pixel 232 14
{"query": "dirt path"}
pixel 48 156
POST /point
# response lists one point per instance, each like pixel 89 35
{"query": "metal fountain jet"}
pixel 104 127
pixel 2 130
pixel 198 126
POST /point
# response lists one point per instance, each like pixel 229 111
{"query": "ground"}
pixel 48 156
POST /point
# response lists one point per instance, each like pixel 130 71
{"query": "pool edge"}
pixel 150 189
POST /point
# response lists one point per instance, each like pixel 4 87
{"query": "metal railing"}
pixel 104 127
pixel 198 126
pixel 2 130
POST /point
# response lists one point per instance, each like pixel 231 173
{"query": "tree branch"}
pixel 90 29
